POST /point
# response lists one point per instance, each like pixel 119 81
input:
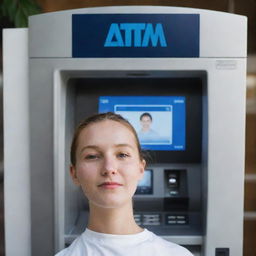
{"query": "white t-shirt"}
pixel 145 243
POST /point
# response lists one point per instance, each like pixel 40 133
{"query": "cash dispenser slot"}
pixel 176 191
pixel 176 197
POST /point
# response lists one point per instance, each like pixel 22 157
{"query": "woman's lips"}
pixel 110 185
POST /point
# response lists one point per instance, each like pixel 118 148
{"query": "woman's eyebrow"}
pixel 89 147
pixel 98 148
pixel 124 145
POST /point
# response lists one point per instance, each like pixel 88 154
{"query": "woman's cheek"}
pixel 85 172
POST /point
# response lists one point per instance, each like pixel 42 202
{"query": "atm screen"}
pixel 160 121
pixel 145 186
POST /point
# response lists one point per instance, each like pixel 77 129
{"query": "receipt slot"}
pixel 174 74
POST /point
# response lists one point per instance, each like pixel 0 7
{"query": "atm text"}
pixel 135 35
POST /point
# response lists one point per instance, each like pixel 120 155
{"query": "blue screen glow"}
pixel 158 120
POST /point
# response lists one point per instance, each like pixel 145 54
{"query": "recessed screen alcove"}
pixel 88 90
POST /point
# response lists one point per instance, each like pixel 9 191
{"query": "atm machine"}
pixel 182 68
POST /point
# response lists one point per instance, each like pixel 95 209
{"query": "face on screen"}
pixel 158 120
pixel 146 123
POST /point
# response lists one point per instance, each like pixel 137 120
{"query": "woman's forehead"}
pixel 108 130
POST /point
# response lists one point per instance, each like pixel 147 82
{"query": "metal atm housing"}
pixel 192 193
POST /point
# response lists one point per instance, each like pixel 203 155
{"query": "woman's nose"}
pixel 109 166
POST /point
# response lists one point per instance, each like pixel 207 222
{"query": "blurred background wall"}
pixel 13 13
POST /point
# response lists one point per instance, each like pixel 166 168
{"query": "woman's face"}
pixel 108 166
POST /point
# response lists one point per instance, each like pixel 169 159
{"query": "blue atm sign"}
pixel 135 35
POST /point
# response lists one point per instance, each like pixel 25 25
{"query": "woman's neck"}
pixel 119 221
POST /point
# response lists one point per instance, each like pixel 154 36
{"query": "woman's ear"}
pixel 142 168
pixel 144 164
pixel 72 171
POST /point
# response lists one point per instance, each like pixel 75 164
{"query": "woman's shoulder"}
pixel 75 249
pixel 146 244
pixel 168 247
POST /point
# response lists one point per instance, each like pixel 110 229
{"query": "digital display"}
pixel 158 120
pixel 145 186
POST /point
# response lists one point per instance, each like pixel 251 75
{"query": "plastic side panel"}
pixel 16 143
pixel 222 34
pixel 226 129
pixel 50 36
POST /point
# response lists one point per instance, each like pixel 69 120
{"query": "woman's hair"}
pixel 99 118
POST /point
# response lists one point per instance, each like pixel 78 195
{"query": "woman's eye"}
pixel 91 156
pixel 123 155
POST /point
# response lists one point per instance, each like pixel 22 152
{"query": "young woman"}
pixel 107 163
